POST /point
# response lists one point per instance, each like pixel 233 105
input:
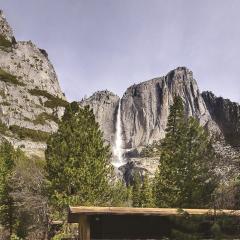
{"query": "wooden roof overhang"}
pixel 75 213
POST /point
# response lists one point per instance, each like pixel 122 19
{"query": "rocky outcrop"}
pixel 145 106
pixel 5 29
pixel 104 105
pixel 31 101
pixel 144 113
pixel 139 166
pixel 227 116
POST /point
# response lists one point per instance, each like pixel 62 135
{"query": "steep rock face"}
pixel 31 101
pixel 104 105
pixel 145 106
pixel 32 66
pixel 226 114
pixel 5 29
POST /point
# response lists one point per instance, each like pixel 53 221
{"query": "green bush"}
pixel 4 43
pixel 57 102
pixel 5 103
pixel 3 127
pixel 38 92
pixel 151 150
pixel 43 117
pixel 60 236
pixel 2 93
pixel 15 237
pixel 9 78
pixel 52 101
pixel 26 133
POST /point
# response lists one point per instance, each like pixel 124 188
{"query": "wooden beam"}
pixel 84 228
pixel 74 212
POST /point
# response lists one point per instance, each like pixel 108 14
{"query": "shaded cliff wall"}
pixel 227 116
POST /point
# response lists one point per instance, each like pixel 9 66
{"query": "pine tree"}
pixel 146 197
pixel 198 181
pixel 7 206
pixel 184 178
pixel 121 195
pixel 175 119
pixel 165 189
pixel 136 190
pixel 78 169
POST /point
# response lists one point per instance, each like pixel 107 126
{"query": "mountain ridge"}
pixel 144 112
pixel 31 100
pixel 205 114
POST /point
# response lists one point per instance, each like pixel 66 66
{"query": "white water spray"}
pixel 117 149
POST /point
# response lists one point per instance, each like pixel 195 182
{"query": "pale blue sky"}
pixel 112 44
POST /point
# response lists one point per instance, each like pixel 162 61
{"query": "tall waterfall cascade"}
pixel 118 151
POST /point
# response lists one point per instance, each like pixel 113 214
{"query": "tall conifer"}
pixel 184 177
pixel 146 196
pixel 78 168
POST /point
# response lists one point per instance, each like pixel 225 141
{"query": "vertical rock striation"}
pixel 227 116
pixel 146 106
pixel 105 107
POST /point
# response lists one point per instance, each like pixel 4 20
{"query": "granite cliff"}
pixel 145 108
pixel 104 105
pixel 227 116
pixel 144 113
pixel 31 101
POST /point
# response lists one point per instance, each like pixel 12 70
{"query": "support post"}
pixel 84 228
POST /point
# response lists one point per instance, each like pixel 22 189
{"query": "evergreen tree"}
pixel 175 119
pixel 142 192
pixel 184 178
pixel 121 195
pixel 7 206
pixel 78 169
pixel 136 190
pixel 146 197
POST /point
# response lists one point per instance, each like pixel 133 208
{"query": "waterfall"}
pixel 117 149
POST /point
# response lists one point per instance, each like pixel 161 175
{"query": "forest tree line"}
pixel 77 171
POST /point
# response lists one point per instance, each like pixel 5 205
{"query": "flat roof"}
pixel 74 213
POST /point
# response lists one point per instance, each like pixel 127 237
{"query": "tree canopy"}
pixel 78 168
pixel 184 177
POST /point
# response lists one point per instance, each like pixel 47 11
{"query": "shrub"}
pixel 56 102
pixel 4 43
pixel 5 103
pixel 43 117
pixel 15 237
pixel 38 92
pixel 27 133
pixel 52 101
pixel 9 78
pixel 2 93
pixel 3 127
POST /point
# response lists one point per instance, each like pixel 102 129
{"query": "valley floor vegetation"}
pixel 77 171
